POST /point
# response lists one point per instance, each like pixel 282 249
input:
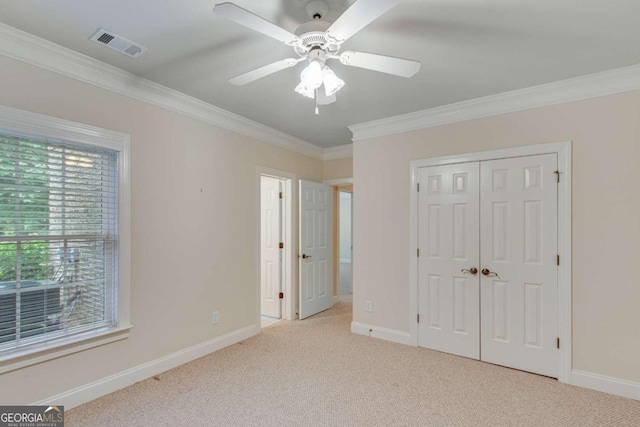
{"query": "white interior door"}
pixel 270 254
pixel 448 274
pixel 501 217
pixel 519 249
pixel 316 248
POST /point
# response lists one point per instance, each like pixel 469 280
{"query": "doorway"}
pixel 345 245
pixel 275 299
pixel 343 209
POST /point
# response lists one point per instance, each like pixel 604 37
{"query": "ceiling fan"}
pixel 318 41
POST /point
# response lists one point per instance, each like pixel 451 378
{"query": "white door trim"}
pixel 563 150
pixel 289 259
pixel 338 182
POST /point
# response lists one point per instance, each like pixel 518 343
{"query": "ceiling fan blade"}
pixel 323 99
pixel 357 16
pixel 258 73
pixel 244 17
pixel 384 64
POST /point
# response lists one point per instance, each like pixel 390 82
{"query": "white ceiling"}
pixel 468 49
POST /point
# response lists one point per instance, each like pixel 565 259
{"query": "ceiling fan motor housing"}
pixel 317 54
pixel 313 34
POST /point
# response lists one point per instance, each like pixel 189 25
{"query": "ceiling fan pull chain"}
pixel 317 109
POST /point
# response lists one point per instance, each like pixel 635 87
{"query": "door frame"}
pixel 289 259
pixel 563 151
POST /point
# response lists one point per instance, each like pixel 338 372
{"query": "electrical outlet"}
pixel 215 317
pixel 368 306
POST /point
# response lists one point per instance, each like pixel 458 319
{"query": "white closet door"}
pixel 270 254
pixel 448 242
pixel 518 248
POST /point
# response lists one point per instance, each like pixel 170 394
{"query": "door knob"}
pixel 471 270
pixel 305 256
pixel 489 273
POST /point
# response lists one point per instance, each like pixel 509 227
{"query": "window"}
pixel 60 241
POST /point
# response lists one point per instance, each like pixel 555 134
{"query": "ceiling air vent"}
pixel 118 43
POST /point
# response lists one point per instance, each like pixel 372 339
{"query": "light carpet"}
pixel 316 373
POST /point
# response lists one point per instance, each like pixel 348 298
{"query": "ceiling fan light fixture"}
pixel 311 78
pixel 332 83
pixel 312 75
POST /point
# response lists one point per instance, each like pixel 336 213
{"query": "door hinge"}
pixel 418 187
pixel 557 259
pixel 281 295
pixel 418 253
pixel 557 176
pixel 281 245
pixel 280 195
pixel 418 317
pixel 557 342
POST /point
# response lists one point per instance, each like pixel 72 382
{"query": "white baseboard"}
pixel 606 384
pixel 336 299
pixel 392 335
pixel 86 393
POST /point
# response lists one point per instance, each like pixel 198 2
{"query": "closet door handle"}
pixel 489 273
pixel 471 270
pixel 305 256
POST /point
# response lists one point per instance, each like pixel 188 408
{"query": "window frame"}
pixel 41 126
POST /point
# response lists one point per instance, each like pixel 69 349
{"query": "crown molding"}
pixel 339 152
pixel 34 50
pixel 608 82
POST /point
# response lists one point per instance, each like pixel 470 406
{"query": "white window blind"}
pixel 58 241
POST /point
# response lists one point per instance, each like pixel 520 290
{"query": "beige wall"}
pixel 338 168
pixel 194 226
pixel 606 218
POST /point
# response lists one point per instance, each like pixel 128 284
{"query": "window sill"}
pixel 81 342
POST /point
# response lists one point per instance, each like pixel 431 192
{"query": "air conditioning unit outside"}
pixel 39 300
